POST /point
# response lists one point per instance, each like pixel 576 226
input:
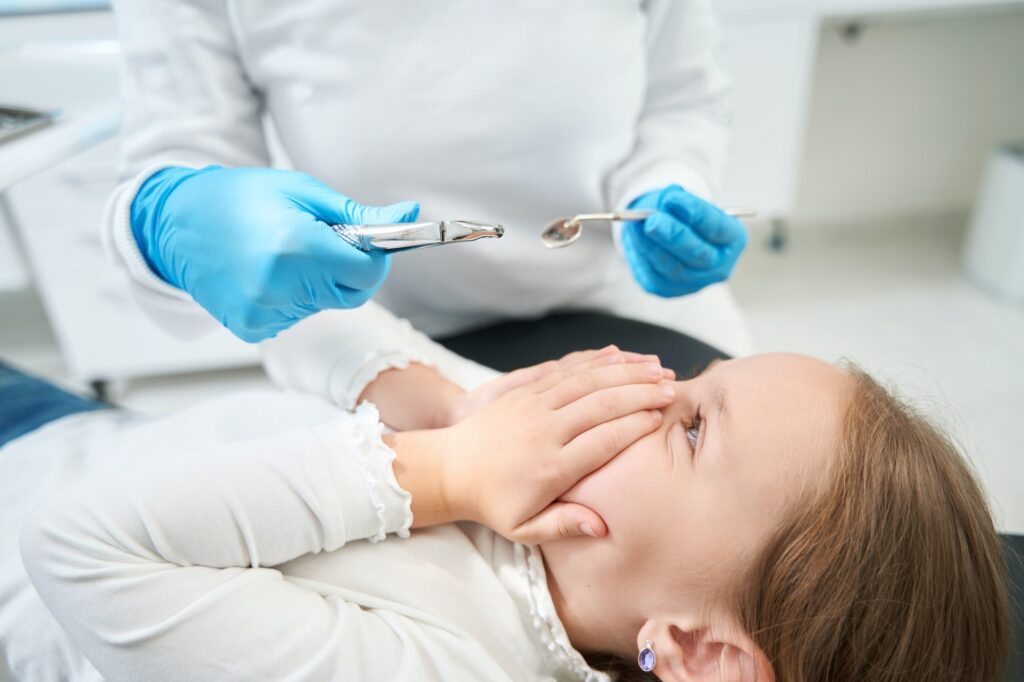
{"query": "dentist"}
pixel 514 112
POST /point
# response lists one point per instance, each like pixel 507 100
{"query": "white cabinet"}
pixel 56 183
pixel 102 333
pixel 13 276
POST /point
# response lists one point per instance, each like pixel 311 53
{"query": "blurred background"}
pixel 881 141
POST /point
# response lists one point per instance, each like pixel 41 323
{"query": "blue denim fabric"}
pixel 26 403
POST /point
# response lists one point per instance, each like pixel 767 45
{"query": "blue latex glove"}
pixel 252 245
pixel 684 246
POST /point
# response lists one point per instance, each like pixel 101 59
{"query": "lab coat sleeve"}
pixel 165 572
pixel 682 131
pixel 335 354
pixel 187 102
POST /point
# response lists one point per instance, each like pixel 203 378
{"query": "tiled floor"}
pixel 890 297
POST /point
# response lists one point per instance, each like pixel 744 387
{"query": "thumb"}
pixel 402 212
pixel 333 208
pixel 560 521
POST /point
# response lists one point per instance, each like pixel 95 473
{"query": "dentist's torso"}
pixel 494 110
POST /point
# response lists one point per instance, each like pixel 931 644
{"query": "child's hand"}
pixel 506 465
pixel 464 404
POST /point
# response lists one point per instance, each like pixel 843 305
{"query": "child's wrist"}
pixel 423 467
pixel 460 489
pixel 413 398
pixel 449 406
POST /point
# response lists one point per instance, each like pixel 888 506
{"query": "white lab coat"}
pixel 513 111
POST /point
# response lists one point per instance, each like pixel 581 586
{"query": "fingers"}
pixel 704 218
pixel 341 264
pixel 550 373
pixel 582 356
pixel 653 281
pixel 581 361
pixel 609 404
pixel 636 247
pixel 345 297
pixel 521 377
pixel 558 521
pixel 402 212
pixel 567 387
pixel 257 323
pixel 317 199
pixel 592 449
pixel 348 266
pixel 673 246
pixel 568 363
pixel 609 355
pixel 334 208
pixel 623 357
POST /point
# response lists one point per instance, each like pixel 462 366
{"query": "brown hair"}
pixel 893 572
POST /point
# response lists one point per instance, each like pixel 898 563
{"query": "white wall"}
pixel 19 30
pixel 902 119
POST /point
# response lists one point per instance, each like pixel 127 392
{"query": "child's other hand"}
pixel 506 465
pixel 462 405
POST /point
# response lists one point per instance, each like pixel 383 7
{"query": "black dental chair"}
pixel 1014 546
pixel 510 345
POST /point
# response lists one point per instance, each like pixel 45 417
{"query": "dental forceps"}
pixel 564 231
pixel 409 236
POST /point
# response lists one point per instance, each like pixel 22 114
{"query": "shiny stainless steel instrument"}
pixel 564 231
pixel 409 236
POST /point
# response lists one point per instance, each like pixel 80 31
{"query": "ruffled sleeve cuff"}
pixel 370 503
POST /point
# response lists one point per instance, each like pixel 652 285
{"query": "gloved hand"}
pixel 684 246
pixel 251 245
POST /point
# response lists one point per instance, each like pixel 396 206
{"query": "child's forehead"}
pixel 782 400
pixel 790 368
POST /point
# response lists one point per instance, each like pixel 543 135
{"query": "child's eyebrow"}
pixel 718 396
pixel 707 368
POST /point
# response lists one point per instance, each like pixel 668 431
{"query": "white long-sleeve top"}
pixel 515 112
pixel 235 540
pixel 257 560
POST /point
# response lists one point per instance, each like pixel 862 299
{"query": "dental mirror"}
pixel 564 231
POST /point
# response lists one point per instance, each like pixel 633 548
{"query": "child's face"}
pixel 692 502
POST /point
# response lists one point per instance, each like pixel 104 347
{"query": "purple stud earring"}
pixel 647 659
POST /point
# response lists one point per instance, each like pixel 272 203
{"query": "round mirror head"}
pixel 560 233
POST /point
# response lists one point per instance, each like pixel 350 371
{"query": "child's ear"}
pixel 705 652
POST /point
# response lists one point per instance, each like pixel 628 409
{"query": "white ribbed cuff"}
pixel 120 240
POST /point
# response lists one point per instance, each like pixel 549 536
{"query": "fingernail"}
pixel 668 391
pixel 587 530
pixel 656 416
pixel 653 369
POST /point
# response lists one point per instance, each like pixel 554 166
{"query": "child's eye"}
pixel 693 433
